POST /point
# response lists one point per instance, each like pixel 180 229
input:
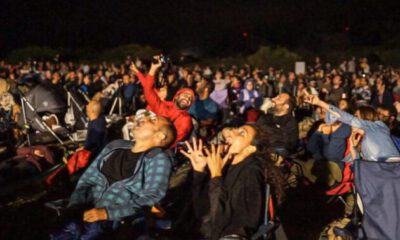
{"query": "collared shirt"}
pixel 377 144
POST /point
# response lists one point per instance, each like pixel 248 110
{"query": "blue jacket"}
pixel 377 144
pixel 204 109
pixel 124 198
pixel 96 135
pixel 329 147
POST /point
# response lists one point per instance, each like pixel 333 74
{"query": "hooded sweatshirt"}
pixel 251 99
pixel 180 118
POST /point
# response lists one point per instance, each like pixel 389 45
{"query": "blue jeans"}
pixel 84 231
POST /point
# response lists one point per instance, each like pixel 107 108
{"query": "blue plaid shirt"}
pixel 124 198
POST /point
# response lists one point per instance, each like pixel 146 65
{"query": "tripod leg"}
pixel 25 122
pixel 120 105
pixel 113 106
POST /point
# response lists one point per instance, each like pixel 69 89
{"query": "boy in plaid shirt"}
pixel 124 178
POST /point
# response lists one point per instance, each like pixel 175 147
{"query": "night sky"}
pixel 218 26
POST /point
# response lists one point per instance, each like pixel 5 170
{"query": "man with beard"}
pixel 281 123
pixel 204 109
pixel 176 110
pixel 388 116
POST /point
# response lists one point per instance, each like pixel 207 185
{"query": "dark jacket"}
pixel 285 130
pixel 386 100
pixel 235 201
pixel 96 135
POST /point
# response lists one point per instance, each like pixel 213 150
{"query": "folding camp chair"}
pixel 271 222
pixel 347 183
pixel 345 186
pixel 376 185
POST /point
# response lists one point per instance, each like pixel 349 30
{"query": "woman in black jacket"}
pixel 234 184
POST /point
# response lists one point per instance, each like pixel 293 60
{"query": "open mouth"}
pixel 226 142
pixel 185 102
pixel 226 147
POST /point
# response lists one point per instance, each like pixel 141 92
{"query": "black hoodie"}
pixel 235 201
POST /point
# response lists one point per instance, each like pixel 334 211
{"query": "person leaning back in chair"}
pixel 280 122
pixel 176 110
pixel 229 198
pixel 123 178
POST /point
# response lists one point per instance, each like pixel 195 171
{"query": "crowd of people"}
pixel 241 128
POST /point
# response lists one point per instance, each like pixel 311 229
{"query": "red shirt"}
pixel 180 118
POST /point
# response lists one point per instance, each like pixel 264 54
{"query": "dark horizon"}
pixel 216 27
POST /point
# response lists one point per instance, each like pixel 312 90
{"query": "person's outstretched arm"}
pixel 147 82
pixel 340 115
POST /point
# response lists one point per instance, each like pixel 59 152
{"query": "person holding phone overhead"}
pixel 175 110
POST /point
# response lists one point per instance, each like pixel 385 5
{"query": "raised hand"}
pixel 356 136
pixel 155 66
pixel 195 155
pixel 215 162
pixel 311 99
pixel 133 68
pixel 355 139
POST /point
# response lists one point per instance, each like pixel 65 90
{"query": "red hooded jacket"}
pixel 181 118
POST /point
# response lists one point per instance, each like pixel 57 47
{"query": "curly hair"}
pixel 272 174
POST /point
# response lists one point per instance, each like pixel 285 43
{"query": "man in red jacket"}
pixel 176 110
